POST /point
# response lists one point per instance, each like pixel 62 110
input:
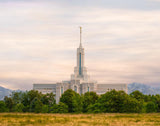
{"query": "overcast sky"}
pixel 38 41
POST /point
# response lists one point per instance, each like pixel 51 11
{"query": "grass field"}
pixel 28 119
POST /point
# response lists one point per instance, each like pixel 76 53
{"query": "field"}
pixel 29 119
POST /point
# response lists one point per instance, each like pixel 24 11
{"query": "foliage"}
pixel 71 102
pixel 95 108
pixel 48 99
pixel 16 97
pixel 157 97
pixel 59 108
pixel 45 109
pixel 89 98
pixel 137 95
pixel 151 107
pixel 36 105
pixel 132 105
pixel 18 107
pixel 112 101
pixel 9 103
pixel 3 107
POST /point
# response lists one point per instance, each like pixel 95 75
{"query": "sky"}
pixel 39 38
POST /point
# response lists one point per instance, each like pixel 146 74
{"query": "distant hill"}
pixel 145 89
pixel 4 92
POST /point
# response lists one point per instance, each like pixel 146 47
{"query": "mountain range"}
pixel 145 89
pixel 4 92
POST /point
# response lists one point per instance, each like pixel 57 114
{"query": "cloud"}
pixel 39 40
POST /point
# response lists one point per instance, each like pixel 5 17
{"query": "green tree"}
pixel 38 106
pixel 132 105
pixel 157 102
pixel 45 109
pixel 3 107
pixel 17 97
pixel 89 98
pixel 18 107
pixel 59 108
pixel 95 108
pixel 62 108
pixel 28 98
pixel 112 101
pixel 77 103
pixel 151 107
pixel 48 99
pixel 73 100
pixel 54 108
pixel 137 95
pixel 9 103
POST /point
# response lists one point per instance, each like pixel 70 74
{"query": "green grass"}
pixel 25 119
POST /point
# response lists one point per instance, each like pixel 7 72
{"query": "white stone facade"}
pixel 80 81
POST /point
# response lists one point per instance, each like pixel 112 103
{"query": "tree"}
pixel 73 100
pixel 3 107
pixel 9 103
pixel 158 102
pixel 45 109
pixel 17 97
pixel 132 105
pixel 59 108
pixel 18 107
pixel 151 107
pixel 36 105
pixel 89 98
pixel 137 95
pixel 54 108
pixel 28 98
pixel 62 108
pixel 95 108
pixel 112 101
pixel 48 99
pixel 77 103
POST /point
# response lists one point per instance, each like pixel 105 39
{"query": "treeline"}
pixel 71 102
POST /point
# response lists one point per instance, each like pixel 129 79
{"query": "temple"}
pixel 80 81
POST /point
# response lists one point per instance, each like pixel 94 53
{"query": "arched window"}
pixel 75 88
pixel 61 90
pixel 88 89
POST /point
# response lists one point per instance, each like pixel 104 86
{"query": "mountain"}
pixel 4 92
pixel 145 89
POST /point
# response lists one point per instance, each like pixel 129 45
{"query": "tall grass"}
pixel 25 119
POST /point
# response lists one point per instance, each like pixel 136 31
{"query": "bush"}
pixel 151 107
pixel 19 107
pixel 59 108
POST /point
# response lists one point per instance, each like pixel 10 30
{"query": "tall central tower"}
pixel 80 56
pixel 80 71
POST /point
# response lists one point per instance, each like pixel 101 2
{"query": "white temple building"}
pixel 80 81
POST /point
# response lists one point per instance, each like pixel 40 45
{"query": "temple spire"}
pixel 80 37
